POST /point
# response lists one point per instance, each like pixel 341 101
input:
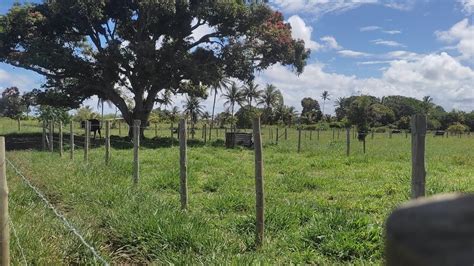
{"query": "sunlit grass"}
pixel 321 206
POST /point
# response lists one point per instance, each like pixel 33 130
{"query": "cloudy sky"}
pixel 379 47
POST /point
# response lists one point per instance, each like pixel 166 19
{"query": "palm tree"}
pixel 325 96
pixel 233 96
pixel 427 104
pixel 174 114
pixel 166 99
pixel 271 97
pixel 193 108
pixel 251 93
pixel 222 84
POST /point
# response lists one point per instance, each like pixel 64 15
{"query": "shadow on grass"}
pixel 33 141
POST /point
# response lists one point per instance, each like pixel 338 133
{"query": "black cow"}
pixel 396 131
pixel 439 133
pixel 95 126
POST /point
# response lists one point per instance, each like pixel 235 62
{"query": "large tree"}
pixel 121 49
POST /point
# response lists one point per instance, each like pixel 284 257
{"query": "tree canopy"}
pixel 121 49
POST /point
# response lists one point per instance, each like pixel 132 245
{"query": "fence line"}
pixel 58 214
pixel 22 251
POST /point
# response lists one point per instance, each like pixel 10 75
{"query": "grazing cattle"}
pixel 95 126
pixel 396 131
pixel 439 133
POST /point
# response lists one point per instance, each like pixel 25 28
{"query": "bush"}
pixel 458 128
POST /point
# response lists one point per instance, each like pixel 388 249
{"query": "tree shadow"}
pixel 33 141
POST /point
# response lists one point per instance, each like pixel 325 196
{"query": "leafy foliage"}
pixel 115 49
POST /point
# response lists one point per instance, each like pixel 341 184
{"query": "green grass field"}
pixel 321 206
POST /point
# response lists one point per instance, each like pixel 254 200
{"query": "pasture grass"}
pixel 321 206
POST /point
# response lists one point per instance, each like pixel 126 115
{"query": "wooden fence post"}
pixel 183 165
pixel 277 137
pixel 205 134
pixel 61 139
pixel 348 141
pixel 120 128
pixel 299 140
pixel 333 133
pixel 259 192
pixel 71 140
pixel 4 217
pixel 136 147
pixel 51 135
pixel 86 140
pixel 19 125
pixel 286 134
pixel 107 142
pixel 418 173
pixel 372 134
pixel 43 137
pixel 318 133
pixel 310 134
pixel 156 130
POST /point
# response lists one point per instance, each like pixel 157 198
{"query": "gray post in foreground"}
pixel 431 231
pixel 348 141
pixel 4 226
pixel 136 147
pixel 259 194
pixel 86 141
pixel 71 139
pixel 61 151
pixel 107 142
pixel 183 165
pixel 418 173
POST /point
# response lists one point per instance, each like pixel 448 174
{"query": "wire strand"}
pixel 59 215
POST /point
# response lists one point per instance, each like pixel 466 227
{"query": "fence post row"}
pixel 183 165
pixel 259 191
pixel 4 217
pixel 348 141
pixel 43 137
pixel 299 140
pixel 418 173
pixel 61 150
pixel 136 147
pixel 51 135
pixel 107 142
pixel 86 140
pixel 71 139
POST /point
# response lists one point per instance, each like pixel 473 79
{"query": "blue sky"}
pixel 379 47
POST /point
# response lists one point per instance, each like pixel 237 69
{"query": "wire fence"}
pixel 58 214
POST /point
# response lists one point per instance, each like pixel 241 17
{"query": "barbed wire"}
pixel 73 229
pixel 22 251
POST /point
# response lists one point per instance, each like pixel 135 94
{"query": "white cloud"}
pixel 299 30
pixel 467 6
pixel 370 28
pixel 404 5
pixel 462 35
pixel 351 53
pixel 202 30
pixel 392 31
pixel 387 43
pixel 24 82
pixel 330 43
pixel 318 7
pixel 439 75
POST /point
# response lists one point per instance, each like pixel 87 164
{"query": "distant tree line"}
pixel 242 102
